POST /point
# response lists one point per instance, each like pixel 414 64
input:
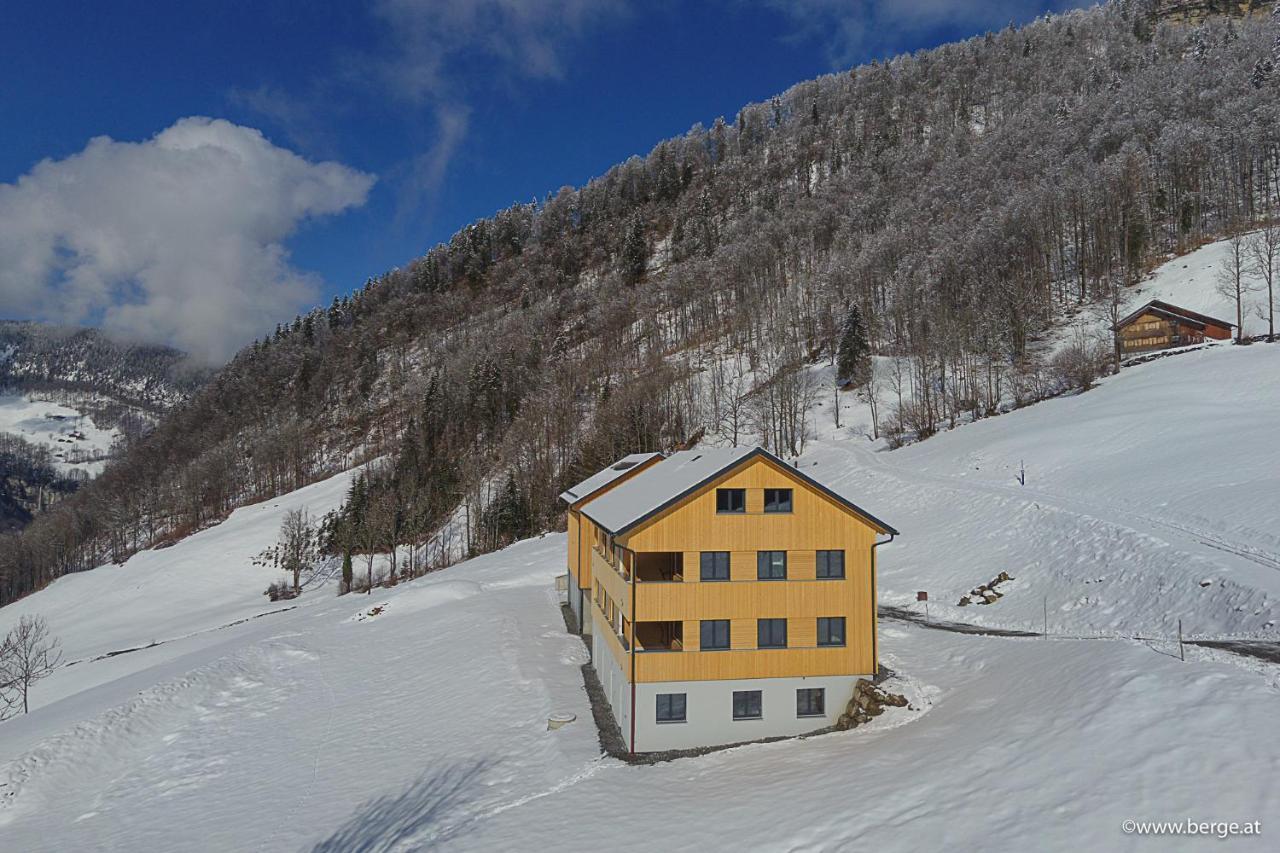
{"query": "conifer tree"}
pixel 853 360
pixel 635 252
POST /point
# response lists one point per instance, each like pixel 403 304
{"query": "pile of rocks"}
pixel 868 701
pixel 985 594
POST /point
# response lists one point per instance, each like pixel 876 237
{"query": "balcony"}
pixel 659 567
pixel 659 637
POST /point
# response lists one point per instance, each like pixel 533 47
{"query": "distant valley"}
pixel 70 400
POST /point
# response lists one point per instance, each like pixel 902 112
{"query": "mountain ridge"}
pixel 961 198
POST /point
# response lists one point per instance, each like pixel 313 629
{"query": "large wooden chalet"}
pixel 1159 325
pixel 729 596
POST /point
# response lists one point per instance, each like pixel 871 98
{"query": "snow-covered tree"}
pixel 853 359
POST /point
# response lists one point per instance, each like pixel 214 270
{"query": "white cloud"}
pixel 440 52
pixel 856 30
pixel 434 59
pixel 520 38
pixel 178 239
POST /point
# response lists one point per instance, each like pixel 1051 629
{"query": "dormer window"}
pixel 731 500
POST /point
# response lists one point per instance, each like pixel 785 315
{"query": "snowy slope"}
pixel 1189 282
pixel 425 727
pixel 75 441
pixel 203 582
pixel 328 726
pixel 1138 492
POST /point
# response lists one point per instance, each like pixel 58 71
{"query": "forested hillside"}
pixel 960 200
pixel 39 357
pixel 69 399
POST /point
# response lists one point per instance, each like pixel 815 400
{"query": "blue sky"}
pixel 429 114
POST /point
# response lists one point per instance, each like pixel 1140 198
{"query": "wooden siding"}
pixel 601 628
pixel 816 522
pixel 617 588
pixel 573 522
pixel 1150 331
pixel 582 529
pixel 769 663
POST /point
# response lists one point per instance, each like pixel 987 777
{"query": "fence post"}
pixel 1182 655
pixel 1046 617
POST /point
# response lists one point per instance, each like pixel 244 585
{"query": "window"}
pixel 771 565
pixel 747 705
pixel 811 702
pixel 831 630
pixel 715 634
pixel 830 564
pixel 731 500
pixel 771 633
pixel 715 565
pixel 671 708
pixel 777 500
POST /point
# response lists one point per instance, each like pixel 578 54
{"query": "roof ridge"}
pixel 646 495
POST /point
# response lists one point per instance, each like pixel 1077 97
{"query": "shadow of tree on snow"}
pixel 392 819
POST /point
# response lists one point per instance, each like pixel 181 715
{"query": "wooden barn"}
pixel 1160 325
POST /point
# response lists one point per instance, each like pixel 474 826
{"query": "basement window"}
pixel 811 702
pixel 747 705
pixel 671 708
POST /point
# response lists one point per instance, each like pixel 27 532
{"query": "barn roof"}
pixel 680 475
pixel 1173 312
pixel 604 477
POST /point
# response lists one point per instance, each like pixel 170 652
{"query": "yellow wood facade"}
pixel 816 522
pixel 579 543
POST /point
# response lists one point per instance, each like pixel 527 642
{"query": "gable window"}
pixel 731 500
pixel 811 702
pixel 715 634
pixel 830 564
pixel 771 565
pixel 777 500
pixel 714 565
pixel 771 633
pixel 831 630
pixel 747 705
pixel 671 707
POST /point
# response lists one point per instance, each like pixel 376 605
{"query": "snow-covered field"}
pixel 1152 498
pixel 74 440
pixel 416 718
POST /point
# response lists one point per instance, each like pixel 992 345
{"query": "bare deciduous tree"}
pixel 297 548
pixel 1232 281
pixel 1264 262
pixel 27 655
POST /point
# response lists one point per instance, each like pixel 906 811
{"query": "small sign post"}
pixel 924 596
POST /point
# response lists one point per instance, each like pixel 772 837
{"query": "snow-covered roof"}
pixel 680 474
pixel 604 477
pixel 1165 309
